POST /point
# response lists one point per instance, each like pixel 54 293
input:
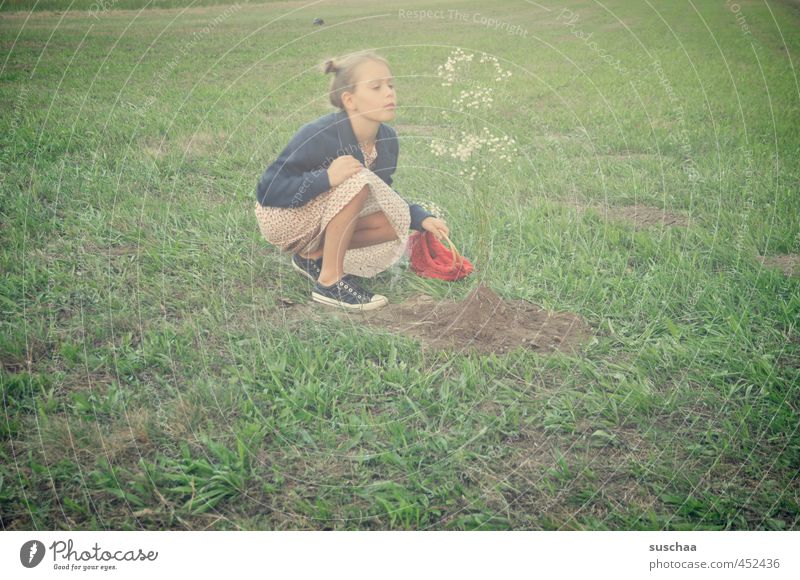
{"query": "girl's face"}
pixel 374 95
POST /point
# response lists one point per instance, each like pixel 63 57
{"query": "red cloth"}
pixel 430 258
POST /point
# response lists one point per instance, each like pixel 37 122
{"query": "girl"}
pixel 327 197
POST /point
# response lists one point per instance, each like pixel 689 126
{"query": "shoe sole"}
pixel 333 302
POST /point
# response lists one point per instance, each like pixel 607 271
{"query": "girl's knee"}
pixel 361 196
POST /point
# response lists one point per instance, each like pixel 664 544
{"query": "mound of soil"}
pixel 482 322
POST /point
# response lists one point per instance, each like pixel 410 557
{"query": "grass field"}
pixel 153 378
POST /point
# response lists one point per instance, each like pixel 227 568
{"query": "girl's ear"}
pixel 347 99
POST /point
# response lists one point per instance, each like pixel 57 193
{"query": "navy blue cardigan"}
pixel 300 173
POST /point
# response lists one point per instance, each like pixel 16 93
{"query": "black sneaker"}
pixel 347 294
pixel 309 268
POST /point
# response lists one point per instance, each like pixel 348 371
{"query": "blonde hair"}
pixel 344 73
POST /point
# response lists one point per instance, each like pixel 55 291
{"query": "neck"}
pixel 364 129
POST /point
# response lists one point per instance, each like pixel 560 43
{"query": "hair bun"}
pixel 330 67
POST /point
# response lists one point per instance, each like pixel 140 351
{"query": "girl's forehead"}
pixel 374 71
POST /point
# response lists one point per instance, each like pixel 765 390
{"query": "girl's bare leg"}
pixel 370 230
pixel 316 253
pixel 337 238
pixel 372 236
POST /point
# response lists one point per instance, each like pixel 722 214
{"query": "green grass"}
pixel 149 377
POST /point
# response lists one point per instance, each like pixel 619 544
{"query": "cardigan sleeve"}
pixel 298 175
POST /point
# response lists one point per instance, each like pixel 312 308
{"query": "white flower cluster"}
pixel 462 150
pixel 479 97
pixel 458 59
pixel 449 70
pixel 474 99
pixel 469 144
pixel 501 74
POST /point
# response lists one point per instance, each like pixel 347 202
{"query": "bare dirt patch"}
pixel 202 144
pixel 482 322
pixel 199 144
pixel 644 216
pixel 593 482
pixel 789 264
pixel 628 156
pixel 641 216
pixel 155 147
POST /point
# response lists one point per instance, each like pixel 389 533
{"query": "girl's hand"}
pixel 342 169
pixel 437 226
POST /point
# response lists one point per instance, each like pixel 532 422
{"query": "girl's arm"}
pixel 297 176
